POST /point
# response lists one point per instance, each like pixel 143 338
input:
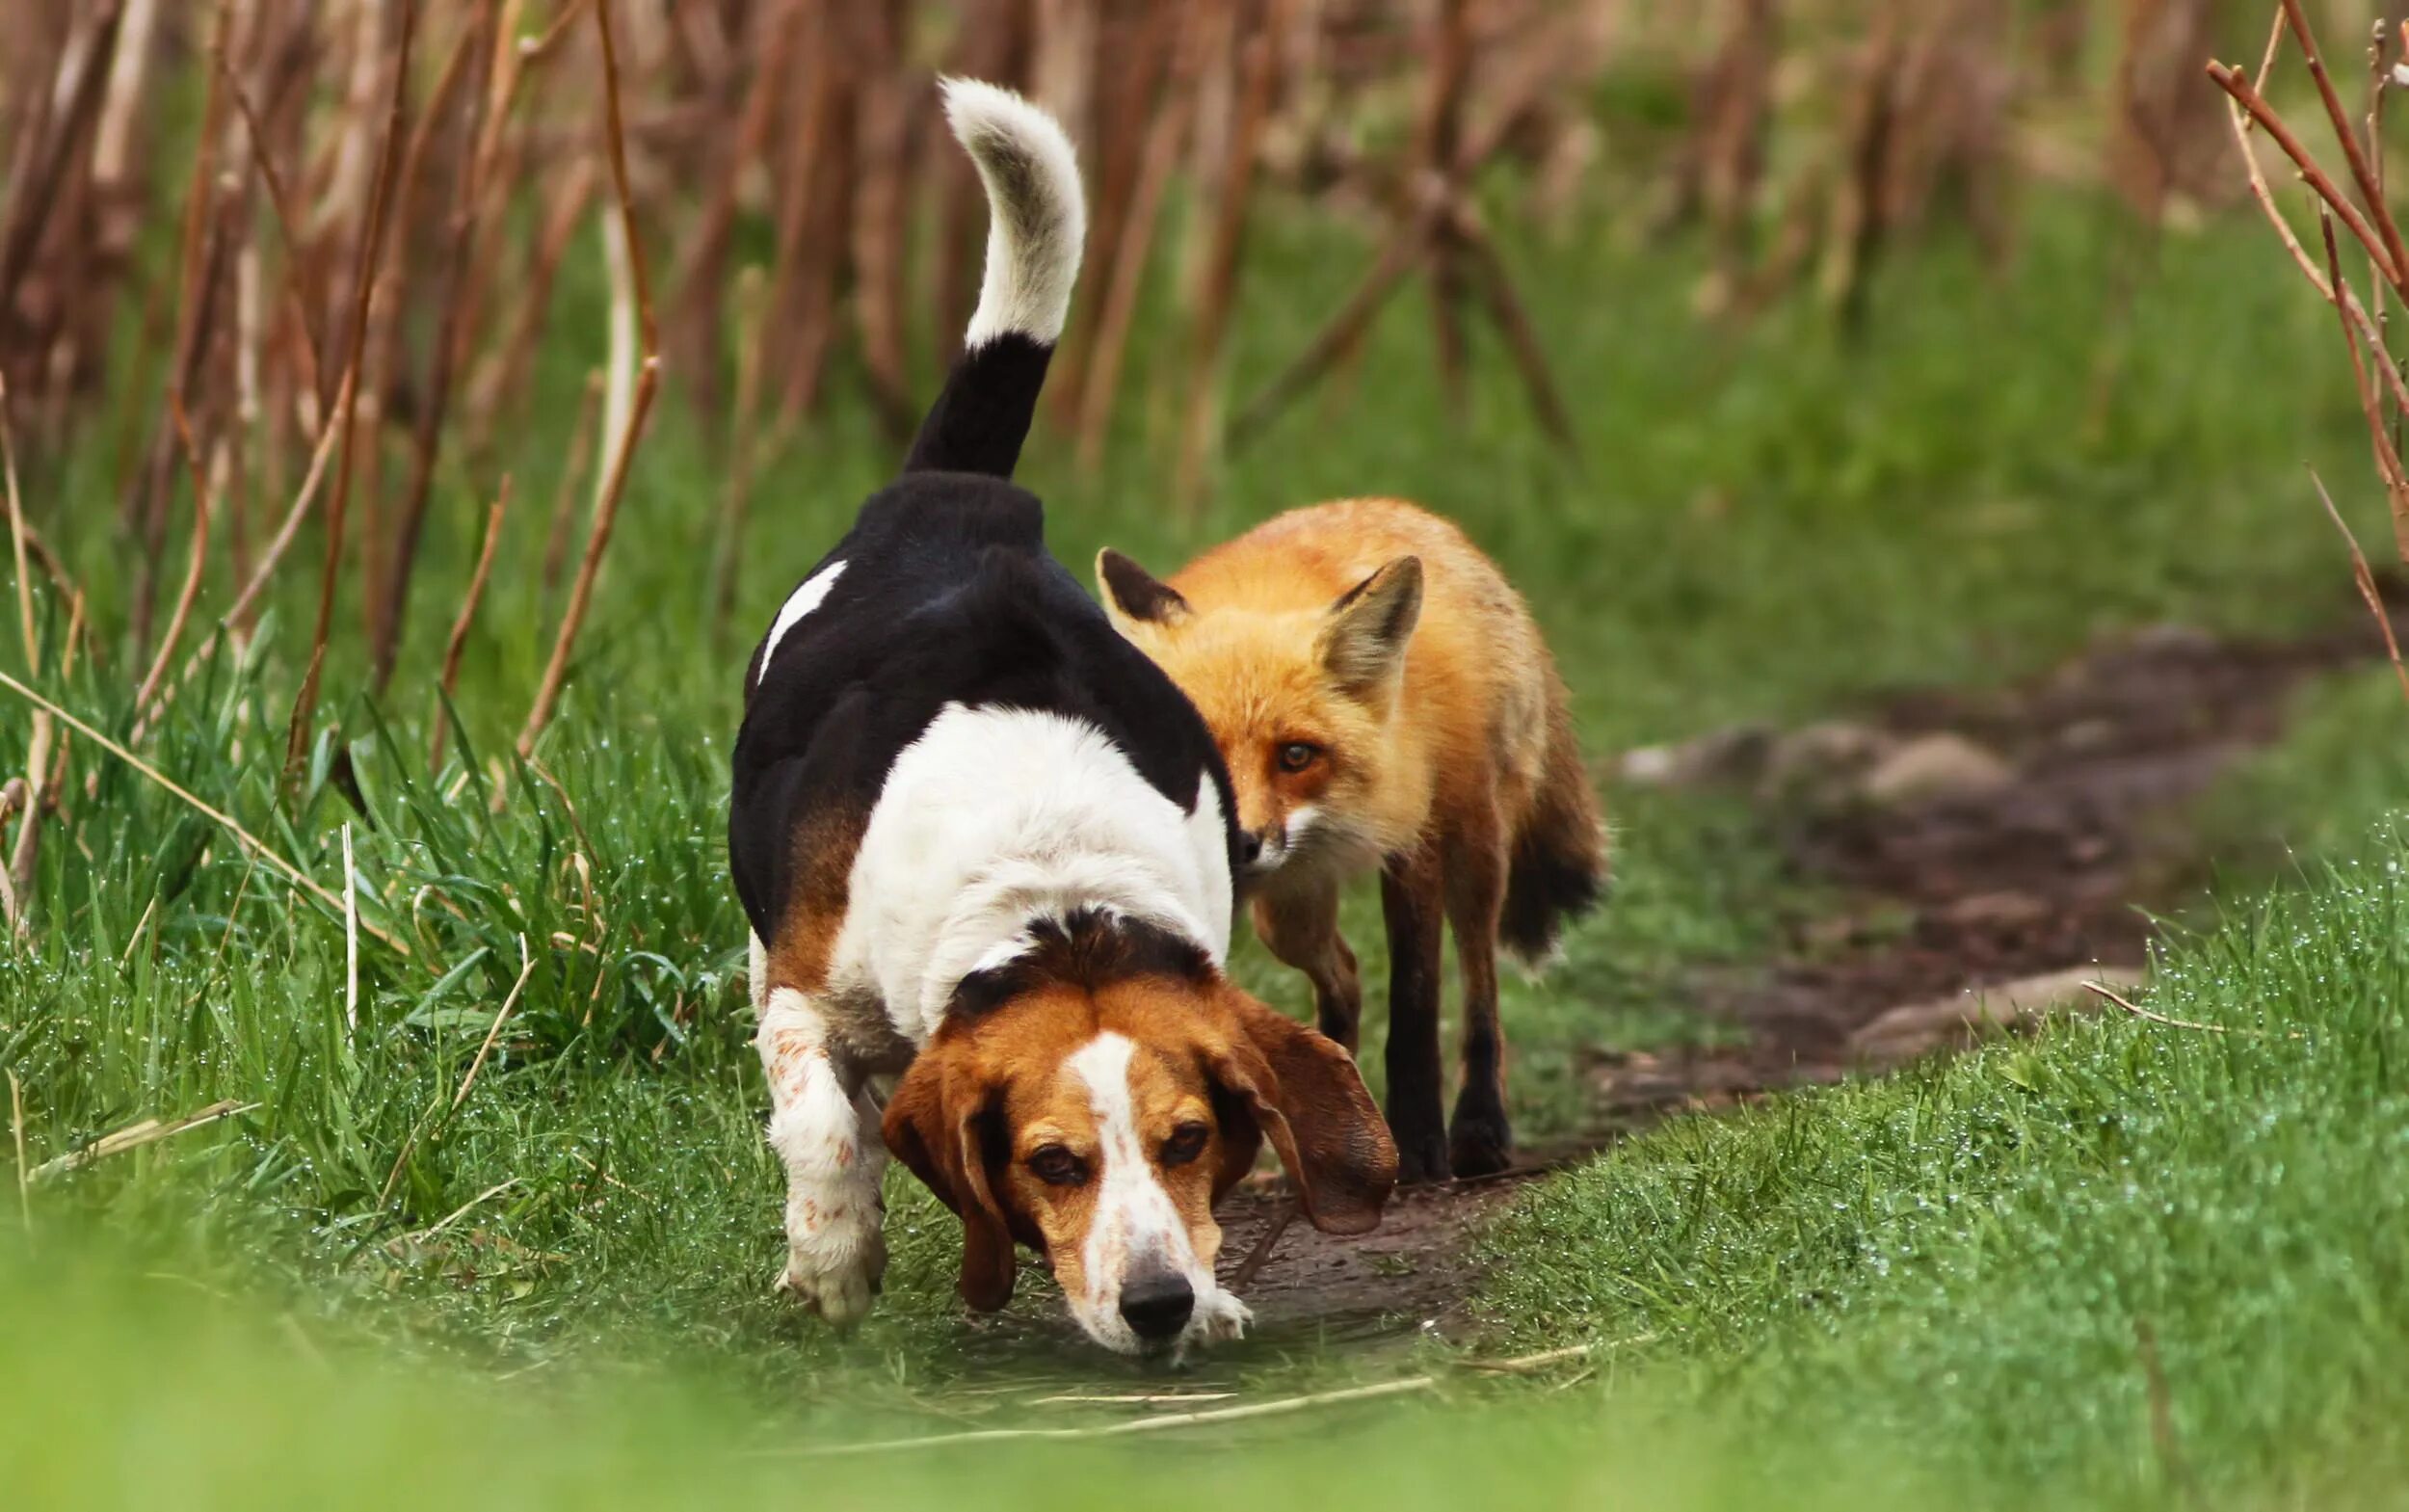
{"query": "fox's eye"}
pixel 1056 1166
pixel 1185 1144
pixel 1296 755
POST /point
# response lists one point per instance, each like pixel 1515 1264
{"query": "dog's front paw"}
pixel 835 1262
pixel 1219 1316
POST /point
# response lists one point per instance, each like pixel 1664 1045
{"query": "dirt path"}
pixel 1978 839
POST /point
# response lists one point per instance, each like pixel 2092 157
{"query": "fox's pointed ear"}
pixel 1134 596
pixel 1362 642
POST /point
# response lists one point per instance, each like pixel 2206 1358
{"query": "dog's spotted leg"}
pixel 822 1126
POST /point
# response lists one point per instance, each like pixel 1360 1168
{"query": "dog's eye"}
pixel 1297 755
pixel 1185 1144
pixel 1056 1166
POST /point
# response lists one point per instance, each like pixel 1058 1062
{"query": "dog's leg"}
pixel 1479 1139
pixel 1411 897
pixel 836 1252
pixel 1301 929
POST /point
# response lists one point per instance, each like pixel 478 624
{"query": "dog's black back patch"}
pixel 948 595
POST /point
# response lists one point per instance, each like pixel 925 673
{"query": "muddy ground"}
pixel 1976 838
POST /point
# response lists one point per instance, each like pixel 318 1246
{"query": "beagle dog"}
pixel 985 847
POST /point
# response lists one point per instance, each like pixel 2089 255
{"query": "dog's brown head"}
pixel 1095 1096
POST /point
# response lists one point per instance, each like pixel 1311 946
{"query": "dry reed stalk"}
pixel 13 797
pixel 1854 236
pixel 35 194
pixel 35 785
pixel 527 969
pixel 388 339
pixel 883 208
pixel 1278 1408
pixel 504 373
pixel 548 42
pixel 207 482
pixel 279 204
pixel 1729 157
pixel 2102 991
pixel 2364 576
pixel 199 260
pixel 1101 382
pixel 1259 1251
pixel 700 277
pixel 2388 459
pixel 351 936
pixel 1441 131
pixel 245 431
pixel 2369 330
pixel 427 440
pixel 134 1136
pixel 2362 174
pixel 2232 81
pixel 371 251
pixel 1133 95
pixel 457 643
pixel 1398 259
pixel 1522 338
pixel 811 238
pixel 24 1175
pixel 630 287
pixel 17 535
pixel 328 436
pixel 1063 69
pixel 1217 273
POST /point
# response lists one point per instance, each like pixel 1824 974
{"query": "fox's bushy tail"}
pixel 1037 222
pixel 1558 870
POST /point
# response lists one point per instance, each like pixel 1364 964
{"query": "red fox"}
pixel 1381 695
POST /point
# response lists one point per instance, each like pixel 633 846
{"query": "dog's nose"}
pixel 1250 846
pixel 1156 1303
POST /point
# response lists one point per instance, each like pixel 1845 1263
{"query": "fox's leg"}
pixel 826 1135
pixel 1301 928
pixel 1479 1139
pixel 1411 896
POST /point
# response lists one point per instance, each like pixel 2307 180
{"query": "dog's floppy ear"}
pixel 1362 640
pixel 936 1123
pixel 1133 595
pixel 1307 1097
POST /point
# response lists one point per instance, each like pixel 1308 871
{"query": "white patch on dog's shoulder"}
pixel 802 602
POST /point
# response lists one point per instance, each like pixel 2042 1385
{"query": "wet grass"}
pixel 1987 1269
pixel 1764 524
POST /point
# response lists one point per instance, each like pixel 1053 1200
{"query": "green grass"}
pixel 1960 1263
pixel 1927 1288
pixel 1763 524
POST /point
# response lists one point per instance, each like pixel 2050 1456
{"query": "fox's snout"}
pixel 1264 848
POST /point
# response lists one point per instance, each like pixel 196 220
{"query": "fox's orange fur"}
pixel 1383 697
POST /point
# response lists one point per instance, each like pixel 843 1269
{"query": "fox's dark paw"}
pixel 1480 1143
pixel 1421 1156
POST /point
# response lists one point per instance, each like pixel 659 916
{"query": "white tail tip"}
pixel 1036 211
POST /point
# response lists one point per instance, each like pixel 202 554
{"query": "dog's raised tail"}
pixel 1037 222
